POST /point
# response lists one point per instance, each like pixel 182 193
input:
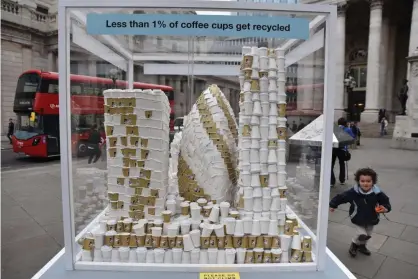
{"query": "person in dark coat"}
pixel 11 130
pixel 94 144
pixel 367 202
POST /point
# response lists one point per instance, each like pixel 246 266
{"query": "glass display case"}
pixel 238 186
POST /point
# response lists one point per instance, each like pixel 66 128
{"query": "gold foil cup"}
pixel 221 242
pixel 148 240
pixel 288 227
pixel 109 240
pixel 166 216
pixel 237 241
pixel 171 242
pixel 121 204
pixel 112 152
pixel 296 256
pixel 112 141
pixel 229 243
pixel 117 240
pixel 213 243
pixel 148 114
pixel 134 141
pixel 119 226
pixel 260 242
pixel 164 242
pixel 145 173
pixel 156 241
pixel 258 256
pixel 271 52
pixel 120 181
pixel 109 130
pixel 132 130
pixel 272 143
pixel 267 241
pixel 264 180
pixel 307 257
pixel 283 192
pixel 151 211
pixel 206 212
pixel 247 61
pixel 281 133
pixel 128 119
pixel 138 190
pixel 124 141
pixel 307 244
pixel 275 243
pixel 276 258
pixel 262 74
pixel 144 143
pixel 234 214
pixel 144 183
pixel 114 205
pixel 255 85
pixel 88 243
pixel 107 109
pixel 132 241
pixel 144 154
pixel 125 239
pixel 204 242
pixel 140 240
pixel 134 200
pixel 125 172
pixel 149 228
pixel 131 102
pixel 267 257
pixel 127 227
pixel 126 162
pixel 246 131
pixel 111 227
pixel 252 241
pixel 179 241
pixel 113 196
pixel 249 257
pixel 282 109
pixel 154 192
pixel 247 74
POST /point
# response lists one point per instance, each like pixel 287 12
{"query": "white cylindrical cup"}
pixel 185 226
pixel 240 252
pixel 266 203
pixel 285 242
pixel 248 108
pixel 230 255
pixel 196 224
pixel 258 215
pixel 156 231
pixel 264 225
pixel 272 132
pixel 245 155
pixel 248 192
pixel 281 167
pixel 207 230
pixel 239 228
pixel 272 159
pixel 257 192
pixel 255 144
pixel 219 230
pixel 195 213
pixel 275 193
pixel 203 257
pixel 272 74
pixel 141 254
pixel 246 143
pixel 273 96
pixel 257 109
pixel 124 254
pixel 187 243
pixel 230 225
pixel 255 179
pixel 275 204
pixel 264 63
pixel 273 227
pixel 273 215
pixel 265 106
pixel 273 120
pixel 281 155
pixel 248 225
pixel 86 256
pixel 264 155
pixel 272 183
pixel 212 255
pixel 171 205
pixel 281 217
pixel 264 97
pixel 159 255
pixel 103 226
pixel 281 178
pixel 132 256
pixel 195 255
pixel 255 120
pixel 224 207
pixel 150 258
pixel 256 230
pixel 195 236
pixel 282 121
pixel 98 239
pixel 97 255
pixel 255 133
pixel 221 259
pixel 115 255
pixel 264 120
pixel 272 63
pixel 283 204
pixel 246 86
pixel 257 204
pixel 264 132
pixel 247 96
pixel 266 192
pixel 296 242
pixel 106 253
pixel 172 230
pixel 168 257
pixel 272 87
pixel 248 204
pixel 186 257
pixel 177 255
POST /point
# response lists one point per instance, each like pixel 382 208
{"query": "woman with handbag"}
pixel 341 153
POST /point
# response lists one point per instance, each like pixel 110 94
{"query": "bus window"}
pixel 48 85
pixel 170 95
pixel 76 88
pixel 27 86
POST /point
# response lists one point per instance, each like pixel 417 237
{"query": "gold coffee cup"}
pixel 125 239
pixel 127 226
pixel 282 109
pixel 144 143
pixel 148 114
pixel 245 241
pixel 252 241
pixel 149 227
pixel 88 243
pixel 307 244
pixel 246 131
pixel 185 209
pixel 166 216
pixel 237 241
pixel 109 240
pixel 271 52
pixel 228 242
pixel 132 241
pixel 221 242
pixel 148 240
pixel 144 154
pixel 288 227
pixel 249 257
pixel 121 204
pixel 164 242
pixel 119 226
pixel 267 241
pixel 140 240
pixel 234 214
pixel 275 243
pixel 114 205
pixel 213 243
pixel 276 257
pixel 117 240
pixel 264 179
pixel 124 141
pixel 247 61
pixel 272 143
pixel 296 256
pixel 281 132
pixel 204 242
pixel 112 152
pixel 179 241
pixel 171 242
pixel 283 192
pixel 247 74
pixel 267 257
pixel 113 196
pixel 112 141
pixel 258 255
pixel 109 130
pixel 260 242
pixel 307 257
pixel 206 211
pixel 156 241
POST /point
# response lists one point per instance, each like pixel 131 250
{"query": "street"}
pixel 11 160
pixel 32 229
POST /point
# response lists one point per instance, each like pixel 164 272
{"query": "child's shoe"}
pixel 353 249
pixel 363 249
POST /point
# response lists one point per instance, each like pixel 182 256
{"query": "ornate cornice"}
pixel 376 4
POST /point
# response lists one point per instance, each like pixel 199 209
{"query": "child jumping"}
pixel 367 201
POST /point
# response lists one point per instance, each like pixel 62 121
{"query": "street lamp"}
pixel 349 84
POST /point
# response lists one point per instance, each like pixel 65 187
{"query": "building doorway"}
pixel 356 101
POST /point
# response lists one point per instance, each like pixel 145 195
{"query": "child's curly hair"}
pixel 367 172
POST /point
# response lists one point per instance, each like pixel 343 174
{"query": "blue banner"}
pixel 197 25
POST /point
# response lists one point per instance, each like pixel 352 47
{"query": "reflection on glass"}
pixel 363 77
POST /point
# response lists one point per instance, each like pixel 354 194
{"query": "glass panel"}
pixel 363 77
pixel 214 158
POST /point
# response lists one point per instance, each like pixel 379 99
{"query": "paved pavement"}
pixel 32 223
pixel 11 160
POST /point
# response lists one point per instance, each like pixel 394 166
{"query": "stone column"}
pixel 413 94
pixel 384 46
pixel 373 62
pixel 413 37
pixel 339 49
pixel 390 72
pixel 92 68
pixel 52 61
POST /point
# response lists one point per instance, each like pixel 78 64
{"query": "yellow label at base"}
pixel 219 275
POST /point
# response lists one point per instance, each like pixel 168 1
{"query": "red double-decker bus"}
pixel 36 107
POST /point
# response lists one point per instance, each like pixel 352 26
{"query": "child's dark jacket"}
pixel 362 206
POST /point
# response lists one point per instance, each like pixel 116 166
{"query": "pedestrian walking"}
pixel 93 145
pixel 11 130
pixel 367 201
pixel 340 153
pixel 384 127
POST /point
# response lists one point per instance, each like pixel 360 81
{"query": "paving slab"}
pixel 56 231
pixel 410 234
pixel 20 228
pixel 366 266
pixel 393 268
pixel 338 216
pixel 411 208
pixel 384 227
pixel 344 234
pixel 401 250
pixel 360 277
pixel 403 218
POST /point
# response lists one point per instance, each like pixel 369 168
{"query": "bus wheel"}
pixel 81 149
